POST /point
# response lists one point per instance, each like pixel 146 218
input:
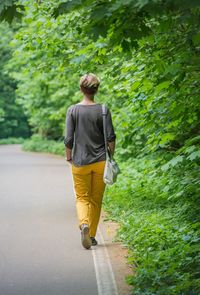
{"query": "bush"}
pixel 12 140
pixel 157 228
pixel 39 144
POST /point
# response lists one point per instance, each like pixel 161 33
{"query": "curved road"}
pixel 40 249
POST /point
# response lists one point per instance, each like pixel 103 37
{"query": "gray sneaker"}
pixel 85 237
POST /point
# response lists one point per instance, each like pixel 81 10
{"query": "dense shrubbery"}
pixel 12 140
pixel 38 144
pixel 160 224
pixel 147 56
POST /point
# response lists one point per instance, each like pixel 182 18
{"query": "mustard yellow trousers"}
pixel 89 188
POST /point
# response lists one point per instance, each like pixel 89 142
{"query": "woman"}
pixel 85 150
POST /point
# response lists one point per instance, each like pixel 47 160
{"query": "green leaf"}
pixel 173 162
pixel 135 85
pixel 163 85
pixel 196 39
pixel 176 160
pixel 66 7
pixel 166 138
pixel 194 155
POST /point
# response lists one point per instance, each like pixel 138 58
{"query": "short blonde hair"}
pixel 89 83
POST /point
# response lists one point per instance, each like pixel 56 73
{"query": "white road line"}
pixel 104 274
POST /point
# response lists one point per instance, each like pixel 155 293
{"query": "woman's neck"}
pixel 88 99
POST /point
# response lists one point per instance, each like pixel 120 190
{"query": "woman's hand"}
pixel 69 160
pixel 68 155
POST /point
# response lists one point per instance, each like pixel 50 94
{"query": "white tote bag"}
pixel 111 170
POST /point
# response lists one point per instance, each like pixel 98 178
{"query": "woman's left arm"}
pixel 111 136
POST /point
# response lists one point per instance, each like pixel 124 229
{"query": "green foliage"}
pixel 147 56
pixel 125 21
pixel 160 226
pixel 12 140
pixel 10 10
pixel 13 122
pixel 39 144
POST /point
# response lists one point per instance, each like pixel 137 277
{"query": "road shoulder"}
pixel 118 254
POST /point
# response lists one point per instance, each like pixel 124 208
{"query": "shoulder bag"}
pixel 111 169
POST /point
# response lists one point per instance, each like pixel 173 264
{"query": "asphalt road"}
pixel 40 249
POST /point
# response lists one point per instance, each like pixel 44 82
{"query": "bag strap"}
pixel 104 112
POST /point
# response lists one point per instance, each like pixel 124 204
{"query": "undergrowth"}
pixel 39 144
pixel 12 140
pixel 160 229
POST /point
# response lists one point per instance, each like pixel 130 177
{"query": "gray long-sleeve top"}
pixel 84 133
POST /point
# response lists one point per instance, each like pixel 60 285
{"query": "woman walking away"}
pixel 85 151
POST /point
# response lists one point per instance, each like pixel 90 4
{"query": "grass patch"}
pixel 38 144
pixel 12 140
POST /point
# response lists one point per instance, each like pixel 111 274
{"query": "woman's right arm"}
pixel 111 146
pixel 69 135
